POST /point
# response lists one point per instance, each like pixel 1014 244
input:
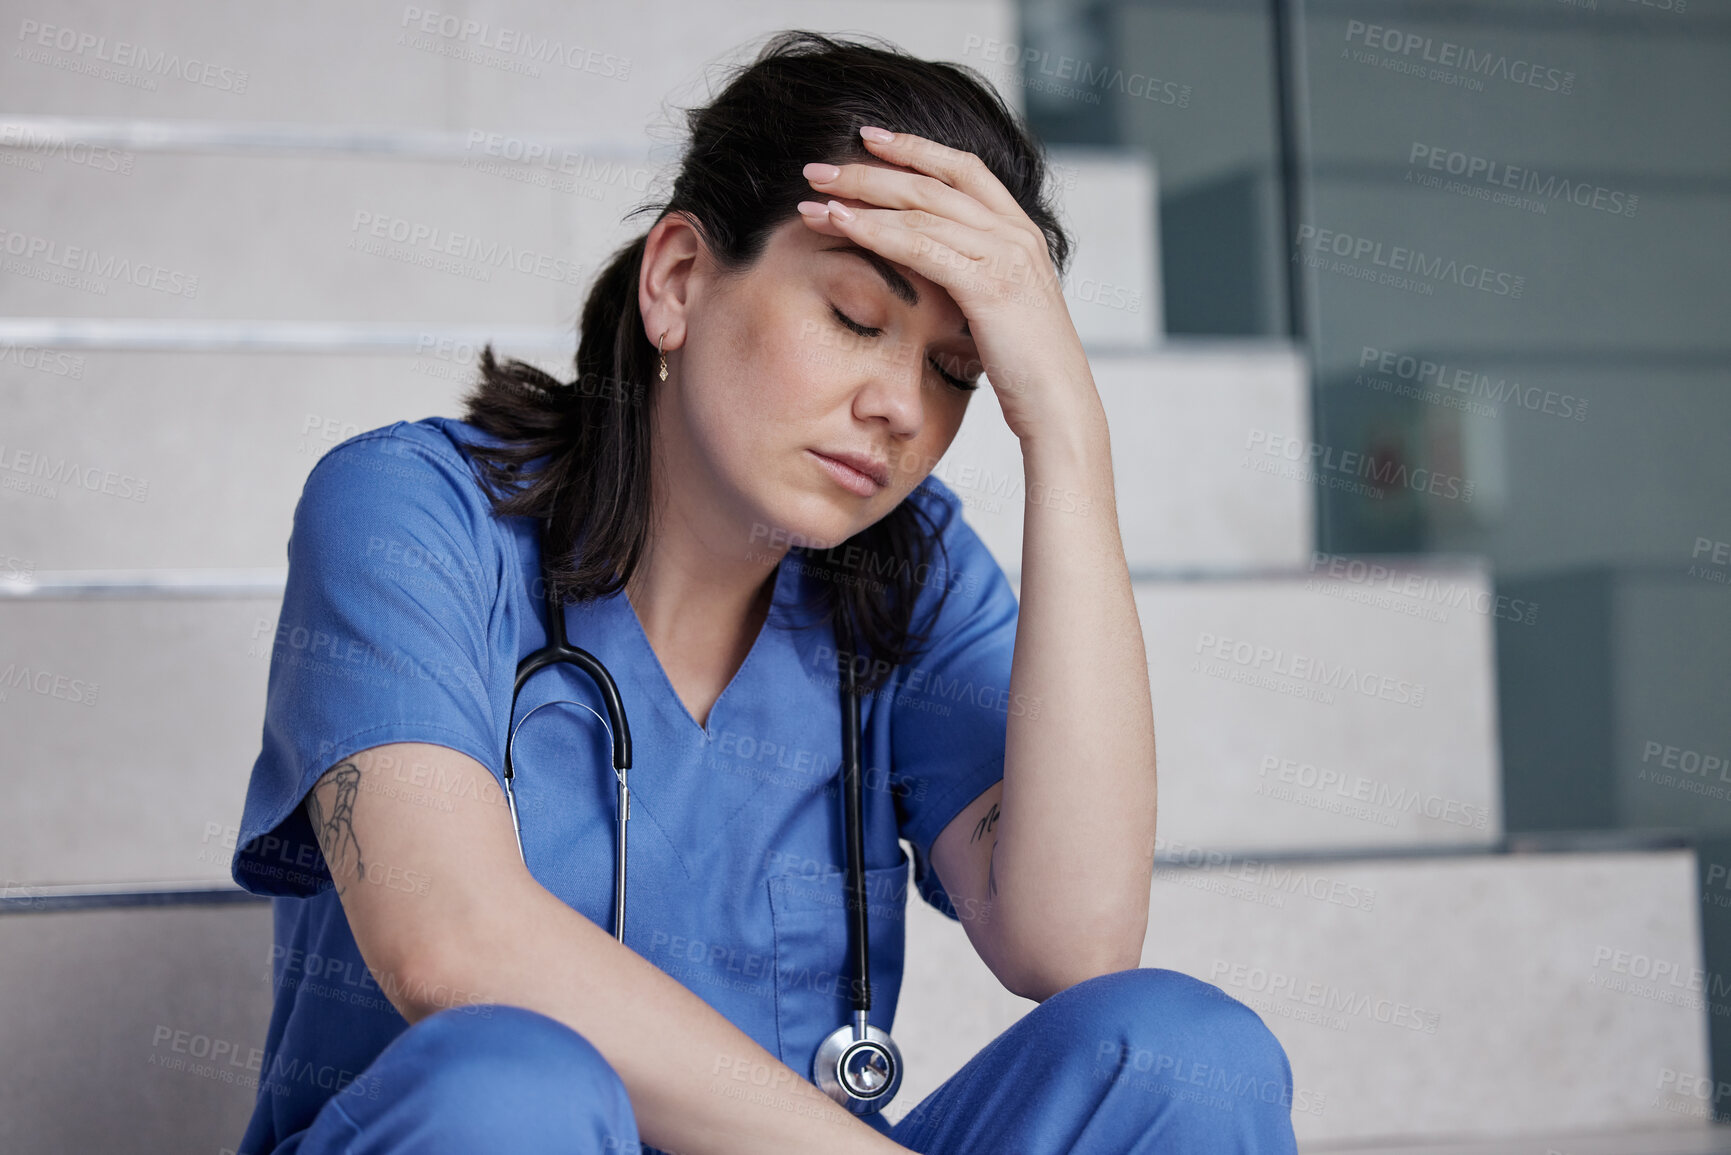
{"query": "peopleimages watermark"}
pixel 467 39
pixel 1446 61
pixel 1106 294
pixel 16 895
pixel 1280 990
pixel 1684 769
pixel 1718 555
pixel 1457 387
pixel 86 269
pixel 796 768
pixel 1175 1075
pixel 27 142
pixel 1272 662
pixel 96 56
pixel 764 1083
pixel 226 1061
pixel 1275 877
pixel 321 651
pixel 1689 1086
pixel 41 475
pixel 1676 7
pixel 1352 790
pixel 459 359
pixel 1418 592
pixel 542 165
pixel 1071 76
pixel 320 433
pixel 924 687
pixel 463 254
pixel 1343 468
pixel 873 565
pixel 54 362
pixel 351 981
pixel 1399 266
pixel 1493 180
pixel 1658 979
pixel 46 683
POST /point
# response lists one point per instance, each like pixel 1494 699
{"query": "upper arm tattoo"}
pixel 984 826
pixel 336 829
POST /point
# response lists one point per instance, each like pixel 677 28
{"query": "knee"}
pixel 501 1069
pixel 1161 1022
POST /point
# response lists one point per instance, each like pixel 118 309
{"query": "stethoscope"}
pixel 858 1065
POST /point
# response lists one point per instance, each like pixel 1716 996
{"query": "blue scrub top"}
pixel 406 610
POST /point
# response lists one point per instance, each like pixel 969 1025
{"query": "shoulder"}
pixel 405 461
pixel 436 442
pixel 400 488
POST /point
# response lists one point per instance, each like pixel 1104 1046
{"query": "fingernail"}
pixel 872 132
pixel 840 211
pixel 820 172
pixel 813 209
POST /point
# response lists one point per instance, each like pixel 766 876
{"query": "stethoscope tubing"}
pixel 558 649
pixel 853 818
pixel 843 1047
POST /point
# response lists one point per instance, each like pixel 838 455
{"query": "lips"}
pixel 878 471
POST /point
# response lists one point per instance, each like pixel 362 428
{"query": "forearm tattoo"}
pixel 336 831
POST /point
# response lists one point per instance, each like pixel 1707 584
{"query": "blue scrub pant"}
pixel 1137 1061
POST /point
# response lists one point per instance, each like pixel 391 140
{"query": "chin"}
pixel 813 523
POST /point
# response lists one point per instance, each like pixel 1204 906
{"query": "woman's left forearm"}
pixel 1075 836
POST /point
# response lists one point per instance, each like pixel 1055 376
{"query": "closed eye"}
pixel 868 331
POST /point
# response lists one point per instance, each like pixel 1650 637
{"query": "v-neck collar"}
pixel 779 594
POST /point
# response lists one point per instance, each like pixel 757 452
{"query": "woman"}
pixel 690 502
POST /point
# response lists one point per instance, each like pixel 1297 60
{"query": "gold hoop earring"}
pixel 662 355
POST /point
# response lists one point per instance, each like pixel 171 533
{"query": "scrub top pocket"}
pixel 813 965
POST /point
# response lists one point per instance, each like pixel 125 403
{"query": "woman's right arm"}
pixel 419 844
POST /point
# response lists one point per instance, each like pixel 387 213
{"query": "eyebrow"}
pixel 899 285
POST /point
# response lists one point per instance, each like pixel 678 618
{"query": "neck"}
pixel 701 586
pixel 693 597
pixel 695 589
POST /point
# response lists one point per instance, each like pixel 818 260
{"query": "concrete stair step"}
pixel 1714 1139
pixel 427 68
pixel 1476 972
pixel 184 492
pixel 1288 717
pixel 1337 708
pixel 1109 201
pixel 357 238
pixel 1389 979
pixel 1291 715
pixel 132 725
pixel 1189 424
pixel 133 1028
pixel 110 483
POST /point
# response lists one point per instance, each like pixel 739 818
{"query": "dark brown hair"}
pixel 805 96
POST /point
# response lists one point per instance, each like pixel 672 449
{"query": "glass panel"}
pixel 1512 227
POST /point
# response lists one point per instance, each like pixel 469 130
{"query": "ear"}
pixel 673 253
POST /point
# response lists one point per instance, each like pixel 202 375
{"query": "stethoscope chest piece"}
pixel 859 1066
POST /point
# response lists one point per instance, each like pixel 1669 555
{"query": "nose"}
pixel 894 390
